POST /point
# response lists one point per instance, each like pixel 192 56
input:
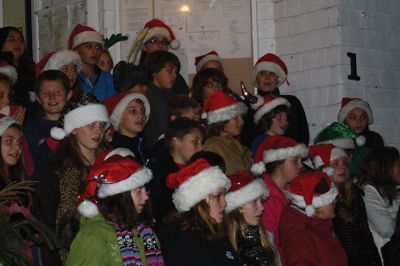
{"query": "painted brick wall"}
pixel 313 37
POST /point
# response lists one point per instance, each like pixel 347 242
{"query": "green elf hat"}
pixel 339 135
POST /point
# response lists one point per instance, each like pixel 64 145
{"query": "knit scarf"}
pixel 134 242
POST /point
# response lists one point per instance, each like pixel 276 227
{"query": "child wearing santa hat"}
pixel 278 159
pixel 80 130
pixel 88 43
pixel 208 60
pixel 305 226
pixel 350 223
pixel 357 114
pixel 115 225
pixel 66 61
pixel 243 214
pixel 223 115
pixel 271 117
pixel 129 113
pixel 268 74
pixel 194 235
pixel 156 36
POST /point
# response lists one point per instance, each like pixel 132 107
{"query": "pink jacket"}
pixel 273 207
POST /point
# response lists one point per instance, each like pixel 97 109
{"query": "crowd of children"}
pixel 130 168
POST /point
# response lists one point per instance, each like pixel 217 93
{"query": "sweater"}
pixel 158 119
pixel 96 244
pixel 309 241
pixel 237 157
pixel 101 85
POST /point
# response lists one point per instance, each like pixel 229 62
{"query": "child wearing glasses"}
pixel 156 36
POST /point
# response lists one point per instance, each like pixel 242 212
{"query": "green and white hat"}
pixel 339 135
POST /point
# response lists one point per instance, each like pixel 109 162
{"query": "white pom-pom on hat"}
pixel 329 171
pixel 88 209
pixel 360 140
pixel 175 44
pixel 258 168
pixel 57 133
pixel 310 211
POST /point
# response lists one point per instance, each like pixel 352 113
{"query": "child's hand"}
pixel 19 114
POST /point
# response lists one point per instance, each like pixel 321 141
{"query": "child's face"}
pixel 5 92
pixel 90 136
pixel 267 81
pixel 52 96
pixel 105 62
pixel 279 124
pixel 156 43
pixel 292 167
pixel 252 211
pixel 188 145
pixel 90 52
pixel 133 119
pixel 340 165
pixel 140 196
pixel 217 204
pixel 211 87
pixel 357 119
pixel 11 146
pixel 165 78
pixel 14 43
pixel 234 126
pixel 71 72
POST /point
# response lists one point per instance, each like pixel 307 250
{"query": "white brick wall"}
pixel 313 37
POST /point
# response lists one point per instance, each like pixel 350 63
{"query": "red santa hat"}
pixel 323 154
pixel 117 104
pixel 81 112
pixel 276 148
pixel 111 175
pixel 272 63
pixel 9 109
pixel 195 182
pixel 82 34
pixel 302 192
pixel 266 104
pixel 56 60
pixel 8 70
pixel 245 188
pixel 349 104
pixel 6 122
pixel 151 28
pixel 201 60
pixel 220 106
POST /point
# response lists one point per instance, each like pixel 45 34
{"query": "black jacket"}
pixel 372 139
pixel 355 236
pixel 183 248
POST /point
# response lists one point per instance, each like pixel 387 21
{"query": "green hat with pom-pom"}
pixel 339 135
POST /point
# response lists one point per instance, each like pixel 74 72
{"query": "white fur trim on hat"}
pixel 137 179
pixel 6 122
pixel 317 202
pixel 10 72
pixel 345 110
pixel 249 192
pixel 205 59
pixel 268 66
pixel 318 162
pixel 337 153
pixel 88 209
pixel 198 187
pixel 85 115
pixel 269 106
pixel 124 152
pixel 226 113
pixel 63 58
pixel 175 44
pixel 346 143
pixel 329 171
pixel 87 36
pixel 115 117
pixel 283 153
